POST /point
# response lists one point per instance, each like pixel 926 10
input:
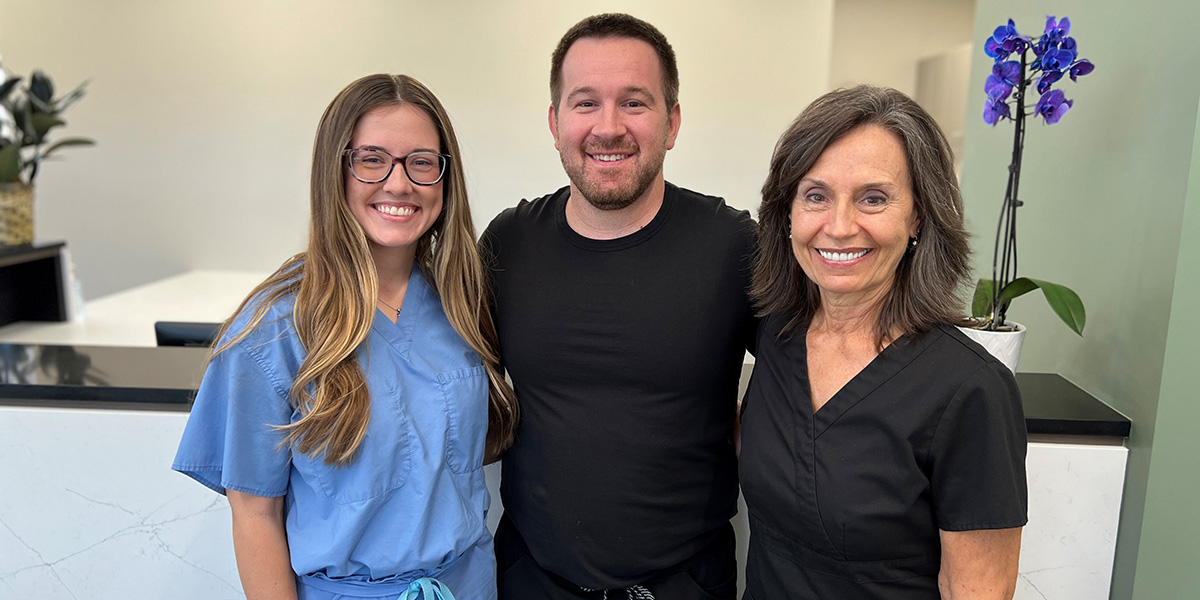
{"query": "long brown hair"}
pixel 930 278
pixel 335 283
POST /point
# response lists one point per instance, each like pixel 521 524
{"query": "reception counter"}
pixel 88 434
pixel 91 414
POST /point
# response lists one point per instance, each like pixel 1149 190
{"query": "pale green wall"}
pixel 1104 194
pixel 1170 542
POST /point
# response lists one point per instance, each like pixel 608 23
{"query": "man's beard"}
pixel 601 193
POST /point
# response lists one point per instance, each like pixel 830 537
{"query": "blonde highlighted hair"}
pixel 335 283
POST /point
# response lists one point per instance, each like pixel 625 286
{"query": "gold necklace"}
pixel 389 306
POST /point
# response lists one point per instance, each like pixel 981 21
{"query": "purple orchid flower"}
pixel 1005 32
pixel 1039 47
pixel 1057 30
pixel 1008 71
pixel 1080 68
pixel 1015 44
pixel 994 110
pixel 1056 59
pixel 997 89
pixel 992 48
pixel 1056 55
pixel 1004 41
pixel 1048 78
pixel 1052 106
pixel 1004 77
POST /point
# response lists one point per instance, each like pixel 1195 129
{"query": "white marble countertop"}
pixel 127 318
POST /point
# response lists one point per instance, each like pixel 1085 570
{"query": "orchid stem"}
pixel 1004 255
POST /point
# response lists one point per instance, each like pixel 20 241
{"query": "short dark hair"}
pixel 612 25
pixel 931 277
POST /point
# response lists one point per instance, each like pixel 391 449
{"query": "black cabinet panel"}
pixel 31 283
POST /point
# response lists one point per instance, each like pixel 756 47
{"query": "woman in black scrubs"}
pixel 883 453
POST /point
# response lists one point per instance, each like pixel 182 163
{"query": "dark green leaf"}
pixel 43 122
pixel 41 87
pixel 1065 303
pixel 1016 288
pixel 26 123
pixel 71 98
pixel 10 163
pixel 18 114
pixel 66 142
pixel 39 106
pixel 981 302
pixel 8 86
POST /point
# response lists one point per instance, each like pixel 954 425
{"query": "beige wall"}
pixel 204 111
pixel 880 42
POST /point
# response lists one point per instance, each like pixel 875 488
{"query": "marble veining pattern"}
pixel 1074 505
pixel 91 510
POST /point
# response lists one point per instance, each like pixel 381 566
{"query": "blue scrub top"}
pixel 413 501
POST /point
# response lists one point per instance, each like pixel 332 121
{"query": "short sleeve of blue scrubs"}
pixel 230 441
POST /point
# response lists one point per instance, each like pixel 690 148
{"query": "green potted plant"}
pixel 27 114
pixel 1055 55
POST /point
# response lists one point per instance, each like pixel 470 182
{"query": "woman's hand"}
pixel 979 564
pixel 260 545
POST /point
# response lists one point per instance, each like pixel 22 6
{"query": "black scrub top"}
pixel 847 502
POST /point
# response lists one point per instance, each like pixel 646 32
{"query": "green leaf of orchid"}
pixel 10 163
pixel 981 302
pixel 1015 289
pixel 1065 303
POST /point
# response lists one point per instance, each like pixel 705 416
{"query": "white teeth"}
pixel 609 157
pixel 842 256
pixel 395 211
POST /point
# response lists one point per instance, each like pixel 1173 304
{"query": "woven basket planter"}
pixel 16 214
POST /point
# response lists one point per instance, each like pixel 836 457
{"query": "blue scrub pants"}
pixel 471 577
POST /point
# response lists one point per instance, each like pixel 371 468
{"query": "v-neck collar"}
pixel 883 367
pixel 399 335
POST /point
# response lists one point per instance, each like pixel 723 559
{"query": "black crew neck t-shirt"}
pixel 625 355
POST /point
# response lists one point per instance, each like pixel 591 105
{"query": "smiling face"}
pixel 395 212
pixel 612 127
pixel 853 215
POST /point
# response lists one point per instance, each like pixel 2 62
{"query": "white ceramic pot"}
pixel 1004 345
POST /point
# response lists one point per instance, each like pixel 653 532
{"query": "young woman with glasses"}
pixel 345 411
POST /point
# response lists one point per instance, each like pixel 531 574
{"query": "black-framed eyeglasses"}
pixel 370 165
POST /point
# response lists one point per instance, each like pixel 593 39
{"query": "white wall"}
pixel 204 112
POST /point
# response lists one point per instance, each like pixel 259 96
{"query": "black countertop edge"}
pixel 1055 406
pixel 36 395
pixel 176 407
pixel 1077 427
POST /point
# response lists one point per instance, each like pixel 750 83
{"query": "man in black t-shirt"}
pixel 623 318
